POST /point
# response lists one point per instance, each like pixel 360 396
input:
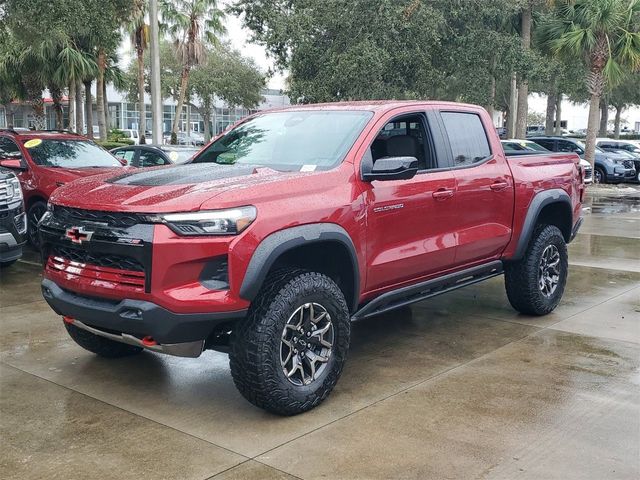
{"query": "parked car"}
pixel 502 132
pixel 612 145
pixel 296 222
pixel 134 135
pixel 13 220
pixel 515 146
pixel 535 130
pixel 193 139
pixel 610 167
pixel 46 160
pixel 154 155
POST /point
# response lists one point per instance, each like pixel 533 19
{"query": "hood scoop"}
pixel 189 174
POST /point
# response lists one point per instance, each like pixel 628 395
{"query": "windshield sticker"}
pixel 34 142
pixel 308 168
pixel 173 156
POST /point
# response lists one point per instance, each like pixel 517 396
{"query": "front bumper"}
pixel 137 318
pixel 13 227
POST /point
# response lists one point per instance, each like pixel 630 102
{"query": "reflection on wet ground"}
pixel 459 386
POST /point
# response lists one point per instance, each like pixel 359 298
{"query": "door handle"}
pixel 442 194
pixel 499 185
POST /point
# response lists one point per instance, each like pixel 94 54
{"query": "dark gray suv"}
pixel 611 167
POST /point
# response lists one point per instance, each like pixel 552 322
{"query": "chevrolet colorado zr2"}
pixel 295 222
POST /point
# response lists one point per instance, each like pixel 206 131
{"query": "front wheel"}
pixel 599 175
pixel 36 211
pixel 535 283
pixel 288 353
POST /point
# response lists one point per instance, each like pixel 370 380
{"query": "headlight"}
pixel 212 222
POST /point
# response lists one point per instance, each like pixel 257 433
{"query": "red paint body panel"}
pixel 395 246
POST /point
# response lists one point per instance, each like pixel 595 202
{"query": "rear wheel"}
pixel 288 353
pixel 8 264
pixel 99 345
pixel 36 211
pixel 536 283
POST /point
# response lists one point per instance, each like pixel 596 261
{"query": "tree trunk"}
pixel 604 117
pixel 56 96
pixel 616 133
pixel 513 107
pixel 72 106
pixel 551 111
pixel 558 114
pixel 88 108
pixel 102 123
pixel 523 87
pixel 38 113
pixel 79 113
pixel 492 98
pixel 141 105
pixel 592 129
pixel 106 107
pixel 207 125
pixel 184 81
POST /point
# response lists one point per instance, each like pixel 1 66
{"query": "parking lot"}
pixel 460 386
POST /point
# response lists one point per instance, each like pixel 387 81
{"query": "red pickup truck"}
pixel 294 223
pixel 43 160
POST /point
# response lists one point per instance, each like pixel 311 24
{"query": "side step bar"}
pixel 421 291
pixel 189 349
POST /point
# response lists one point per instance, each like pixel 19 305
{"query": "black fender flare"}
pixel 278 243
pixel 540 200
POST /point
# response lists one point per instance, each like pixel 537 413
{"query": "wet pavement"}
pixel 460 386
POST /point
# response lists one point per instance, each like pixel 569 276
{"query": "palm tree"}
pixel 191 23
pixel 606 34
pixel 139 32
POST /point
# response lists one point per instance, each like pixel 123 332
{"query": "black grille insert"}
pixel 114 219
pixel 100 260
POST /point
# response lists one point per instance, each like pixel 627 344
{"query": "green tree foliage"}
pixel 606 35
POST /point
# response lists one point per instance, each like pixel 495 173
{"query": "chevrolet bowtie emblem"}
pixel 78 234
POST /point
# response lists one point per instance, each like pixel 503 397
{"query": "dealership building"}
pixel 124 115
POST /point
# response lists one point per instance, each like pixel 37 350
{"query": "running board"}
pixel 421 291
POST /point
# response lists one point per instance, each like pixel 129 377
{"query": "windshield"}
pixel 181 155
pixel 290 141
pixel 69 154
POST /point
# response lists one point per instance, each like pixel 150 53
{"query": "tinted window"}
pixel 151 159
pixel 467 137
pixel 546 143
pixel 69 154
pixel 8 149
pixel 403 137
pixel 569 147
pixel 125 155
pixel 291 140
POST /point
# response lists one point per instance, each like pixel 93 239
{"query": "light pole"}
pixel 156 95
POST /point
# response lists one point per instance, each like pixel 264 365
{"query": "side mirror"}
pixel 14 164
pixel 392 168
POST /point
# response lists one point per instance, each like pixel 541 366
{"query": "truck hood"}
pixel 65 175
pixel 164 189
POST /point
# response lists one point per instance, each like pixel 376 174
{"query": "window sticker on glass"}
pixel 308 168
pixel 34 142
pixel 173 156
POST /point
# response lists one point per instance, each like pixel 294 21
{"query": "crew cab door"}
pixel 485 191
pixel 409 222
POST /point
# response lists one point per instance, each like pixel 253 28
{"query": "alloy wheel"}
pixel 306 344
pixel 35 214
pixel 549 270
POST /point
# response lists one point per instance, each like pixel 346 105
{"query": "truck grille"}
pixel 66 261
pixel 100 260
pixel 113 219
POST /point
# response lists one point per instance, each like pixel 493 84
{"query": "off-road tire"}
pixel 254 354
pixel 99 345
pixel 36 210
pixel 522 277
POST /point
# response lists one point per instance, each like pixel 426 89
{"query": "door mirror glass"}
pixel 392 168
pixel 14 164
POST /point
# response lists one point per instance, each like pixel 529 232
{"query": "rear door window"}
pixel 152 159
pixel 547 143
pixel 467 137
pixel 126 155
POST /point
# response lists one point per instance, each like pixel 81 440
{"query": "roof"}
pixel 368 105
pixel 51 134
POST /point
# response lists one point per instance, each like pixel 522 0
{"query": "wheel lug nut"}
pixel 308 334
